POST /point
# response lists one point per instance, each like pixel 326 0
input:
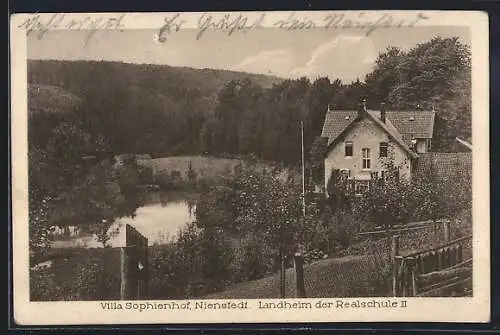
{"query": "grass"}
pixel 349 276
pixel 78 274
pixel 204 166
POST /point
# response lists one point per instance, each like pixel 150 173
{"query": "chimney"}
pixel 382 112
pixel 362 108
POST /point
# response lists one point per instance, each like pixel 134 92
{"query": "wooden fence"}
pixel 134 265
pixel 410 227
pixel 431 271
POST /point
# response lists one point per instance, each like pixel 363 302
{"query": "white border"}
pixel 476 309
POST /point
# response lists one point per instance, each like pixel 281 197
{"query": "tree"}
pixel 385 76
pixel 317 156
pixel 434 75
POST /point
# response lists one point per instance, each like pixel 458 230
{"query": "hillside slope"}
pixel 349 276
pixel 139 108
pixel 79 77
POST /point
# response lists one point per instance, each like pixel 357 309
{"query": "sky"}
pixel 343 54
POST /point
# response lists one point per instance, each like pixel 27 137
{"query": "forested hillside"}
pixel 139 108
pixel 164 110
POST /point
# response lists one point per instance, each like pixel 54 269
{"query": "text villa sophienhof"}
pixel 255 304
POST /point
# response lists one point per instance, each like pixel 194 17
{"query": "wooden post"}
pixel 134 265
pixel 446 228
pixel 414 278
pixel 394 253
pixel 405 277
pixel 124 271
pixel 300 290
pixel 440 265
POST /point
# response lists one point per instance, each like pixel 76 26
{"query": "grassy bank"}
pixel 349 276
pixel 203 166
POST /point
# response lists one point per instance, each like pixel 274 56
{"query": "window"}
pixel 383 149
pixel 362 186
pixel 366 158
pixel 348 149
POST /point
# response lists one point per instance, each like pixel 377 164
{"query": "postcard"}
pixel 250 167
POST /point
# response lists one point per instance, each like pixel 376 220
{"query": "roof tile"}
pixel 402 124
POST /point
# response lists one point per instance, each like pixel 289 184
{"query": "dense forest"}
pixel 164 110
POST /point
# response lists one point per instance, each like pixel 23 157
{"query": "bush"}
pixel 44 287
pixel 343 228
pixel 86 274
pixel 95 282
pixel 170 180
pixel 252 260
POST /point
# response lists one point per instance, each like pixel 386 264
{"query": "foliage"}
pixel 195 264
pixel 343 228
pixel 38 227
pixel 82 274
pixel 73 180
pixel 435 74
pixel 141 107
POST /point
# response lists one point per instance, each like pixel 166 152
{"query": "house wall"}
pixel 366 134
pixel 421 145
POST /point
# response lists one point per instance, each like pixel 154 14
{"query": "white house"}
pixel 362 143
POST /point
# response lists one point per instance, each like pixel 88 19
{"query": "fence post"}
pixel 394 253
pixel 414 278
pixel 124 274
pixel 299 276
pixel 446 228
pixel 134 265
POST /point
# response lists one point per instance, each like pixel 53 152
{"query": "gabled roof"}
pixel 445 166
pixel 391 130
pixel 419 124
pixel 338 122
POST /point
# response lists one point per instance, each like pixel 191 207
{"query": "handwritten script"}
pixel 40 25
pixel 230 24
pixel 227 24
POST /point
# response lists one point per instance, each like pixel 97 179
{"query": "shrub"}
pixel 252 260
pixel 343 228
pixel 44 287
pixel 87 274
pixel 95 282
pixel 170 180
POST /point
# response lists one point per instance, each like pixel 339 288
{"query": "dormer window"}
pixel 348 149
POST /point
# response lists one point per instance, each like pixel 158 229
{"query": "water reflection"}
pixel 159 219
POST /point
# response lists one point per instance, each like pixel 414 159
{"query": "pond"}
pixel 158 219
